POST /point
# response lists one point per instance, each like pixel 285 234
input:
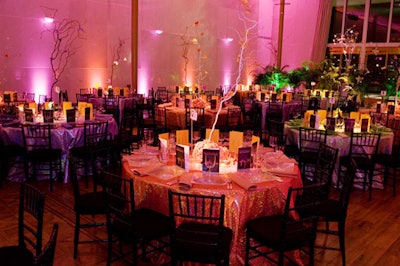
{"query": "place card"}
pixel 244 158
pixel 183 157
pixel 210 161
pixel 48 116
pixel 70 115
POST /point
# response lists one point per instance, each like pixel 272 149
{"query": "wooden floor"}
pixel 372 229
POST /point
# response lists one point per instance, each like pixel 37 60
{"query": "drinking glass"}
pixel 273 142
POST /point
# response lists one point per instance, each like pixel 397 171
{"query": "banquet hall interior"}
pixel 276 121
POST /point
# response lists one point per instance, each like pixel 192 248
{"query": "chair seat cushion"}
pixel 197 241
pixel 92 203
pixel 267 231
pixel 15 255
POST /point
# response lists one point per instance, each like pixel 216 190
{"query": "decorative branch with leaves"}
pixel 65 34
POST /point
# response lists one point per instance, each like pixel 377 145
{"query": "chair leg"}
pixel 341 227
pixel 246 258
pixel 76 234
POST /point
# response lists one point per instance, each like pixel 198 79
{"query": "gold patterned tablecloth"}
pixel 241 205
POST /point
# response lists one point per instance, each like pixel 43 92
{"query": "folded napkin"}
pixel 185 182
pixel 242 181
pixel 285 169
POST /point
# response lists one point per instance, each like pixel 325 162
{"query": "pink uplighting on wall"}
pixel 40 83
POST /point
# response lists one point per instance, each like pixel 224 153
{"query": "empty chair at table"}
pixel 309 144
pixel 197 229
pixel 139 228
pixel 40 153
pixel 363 149
pixel 46 257
pixel 272 237
pixel 30 228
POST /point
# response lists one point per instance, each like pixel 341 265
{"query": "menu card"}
pixel 210 161
pixel 28 115
pixel 244 158
pixel 48 116
pixel 235 140
pixel 70 115
pixel 182 157
pixel 314 121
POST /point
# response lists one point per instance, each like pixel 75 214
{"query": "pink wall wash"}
pixel 211 61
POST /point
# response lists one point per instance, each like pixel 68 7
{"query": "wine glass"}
pixel 210 161
pixel 273 142
pixel 196 136
pixel 150 137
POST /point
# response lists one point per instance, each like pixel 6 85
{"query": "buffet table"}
pixel 63 136
pixel 266 198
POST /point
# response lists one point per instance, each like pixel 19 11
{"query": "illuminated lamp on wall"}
pixel 158 32
pixel 228 40
pixel 48 20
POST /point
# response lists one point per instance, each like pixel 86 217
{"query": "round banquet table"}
pixel 176 117
pixel 241 205
pixel 341 141
pixel 62 137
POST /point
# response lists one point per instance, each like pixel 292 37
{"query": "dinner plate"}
pixel 141 160
pixel 209 178
pixel 164 172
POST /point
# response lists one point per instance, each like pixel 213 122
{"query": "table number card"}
pixel 48 116
pixel 244 158
pixel 364 124
pixel 28 115
pixel 349 124
pixel 331 123
pixel 70 115
pixel 213 104
pixel 210 161
pixel 314 121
